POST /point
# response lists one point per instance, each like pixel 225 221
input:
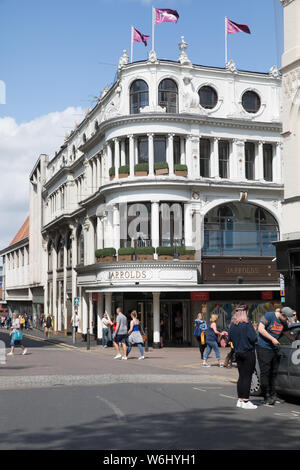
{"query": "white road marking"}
pixel 119 413
pixel 227 396
pixel 200 389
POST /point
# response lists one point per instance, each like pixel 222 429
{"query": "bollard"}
pixel 2 353
pixel 146 342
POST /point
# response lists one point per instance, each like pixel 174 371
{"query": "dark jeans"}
pixel 201 346
pixel 268 360
pixel 105 336
pixel 246 365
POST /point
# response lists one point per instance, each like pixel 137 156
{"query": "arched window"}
pixel 239 229
pixel 80 246
pixel 168 95
pixel 139 96
pixel 208 97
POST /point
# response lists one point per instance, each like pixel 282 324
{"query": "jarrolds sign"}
pixel 244 270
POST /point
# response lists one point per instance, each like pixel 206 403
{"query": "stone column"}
pixel 277 162
pixel 188 225
pixel 155 224
pixel 259 163
pixel 131 155
pixel 108 304
pixel 100 233
pixel 109 159
pixel 151 154
pixel 116 227
pixel 54 290
pixel 74 264
pixel 156 320
pixel 182 151
pixel 108 230
pixel 123 154
pixel 99 315
pixel 215 159
pixel 117 157
pixel 189 156
pixel 170 154
pixel 65 323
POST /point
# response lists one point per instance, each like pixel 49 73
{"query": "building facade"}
pixel 166 199
pixel 288 250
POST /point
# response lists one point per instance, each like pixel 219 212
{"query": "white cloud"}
pixel 20 147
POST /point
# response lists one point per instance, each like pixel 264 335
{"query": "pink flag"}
pixel 233 27
pixel 163 15
pixel 139 37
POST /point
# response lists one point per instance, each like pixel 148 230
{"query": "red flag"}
pixel 232 27
pixel 163 15
pixel 139 37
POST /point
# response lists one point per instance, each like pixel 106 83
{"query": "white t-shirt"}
pixel 105 320
pixel 75 320
pixel 16 323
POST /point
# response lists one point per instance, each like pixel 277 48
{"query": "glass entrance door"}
pixel 175 317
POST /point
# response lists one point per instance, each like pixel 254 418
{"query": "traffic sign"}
pixel 76 301
pixel 282 293
pixel 283 299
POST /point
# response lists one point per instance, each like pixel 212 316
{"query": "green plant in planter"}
pixel 141 167
pixel 165 250
pixel 186 250
pixel 179 167
pixel 124 170
pixel 160 165
pixel 126 251
pixel 145 250
pixel 112 171
pixel 101 253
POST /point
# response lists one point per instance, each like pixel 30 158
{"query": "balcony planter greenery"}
pixel 186 253
pixel 161 168
pixel 124 171
pixel 180 170
pixel 112 172
pixel 125 254
pixel 165 253
pixel 141 169
pixel 105 255
pixel 145 253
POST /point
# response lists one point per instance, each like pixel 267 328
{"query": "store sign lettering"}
pixel 242 270
pixel 134 275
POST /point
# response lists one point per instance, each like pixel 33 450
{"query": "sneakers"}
pixel 124 358
pixel 24 352
pixel 10 354
pixel 141 357
pixel 248 405
pixel 221 365
pixel 205 364
pixel 239 404
pixel 118 356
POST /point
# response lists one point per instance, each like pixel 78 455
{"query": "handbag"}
pixel 145 339
pixel 17 335
pixel 197 331
pixel 203 338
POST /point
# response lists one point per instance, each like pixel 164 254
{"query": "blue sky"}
pixel 51 51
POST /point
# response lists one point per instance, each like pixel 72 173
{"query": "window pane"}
pixel 159 149
pixel 249 160
pixel 139 96
pixel 208 97
pixel 268 162
pixel 143 149
pixel 205 158
pixel 223 158
pixel 176 145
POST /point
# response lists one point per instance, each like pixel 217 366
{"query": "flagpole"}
pixel 226 45
pixel 131 43
pixel 153 24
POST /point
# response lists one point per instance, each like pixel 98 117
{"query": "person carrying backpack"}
pixel 200 332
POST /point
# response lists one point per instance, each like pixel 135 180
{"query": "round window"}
pixel 251 102
pixel 208 97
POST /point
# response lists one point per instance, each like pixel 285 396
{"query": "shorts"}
pixel 16 342
pixel 120 339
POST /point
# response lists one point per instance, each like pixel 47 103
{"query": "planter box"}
pixel 162 171
pixel 180 172
pixel 106 259
pixel 124 257
pixel 123 175
pixel 187 257
pixel 145 257
pixel 141 173
pixel 165 257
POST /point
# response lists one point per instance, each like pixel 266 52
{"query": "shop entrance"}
pixel 175 329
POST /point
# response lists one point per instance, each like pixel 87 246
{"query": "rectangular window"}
pixel 143 149
pixel 205 158
pixel 176 145
pixel 250 160
pixel 268 162
pixel 159 149
pixel 126 151
pixel 223 158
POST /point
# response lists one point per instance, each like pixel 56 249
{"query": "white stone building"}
pixel 173 155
